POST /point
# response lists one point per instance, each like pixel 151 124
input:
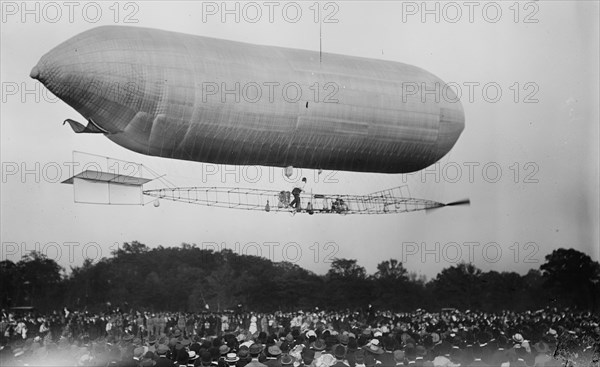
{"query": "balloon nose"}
pixel 452 124
pixel 35 72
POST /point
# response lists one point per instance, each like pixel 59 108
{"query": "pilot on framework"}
pixel 296 192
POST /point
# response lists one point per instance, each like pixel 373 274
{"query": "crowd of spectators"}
pixel 314 338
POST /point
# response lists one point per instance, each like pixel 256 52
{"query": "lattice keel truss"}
pixel 387 201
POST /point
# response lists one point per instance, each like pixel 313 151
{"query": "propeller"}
pixel 453 203
pixel 459 202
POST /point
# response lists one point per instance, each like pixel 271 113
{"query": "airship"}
pixel 196 98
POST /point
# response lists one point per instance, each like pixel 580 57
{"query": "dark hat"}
pixel 262 336
pixel 177 333
pixel 318 345
pixel 398 356
pixel 285 347
pixel 224 349
pixel 308 355
pixel 286 360
pixel 352 344
pixel 388 343
pixel 344 339
pixel 205 344
pixel 421 351
pixel 369 360
pixel 214 353
pixel 274 350
pixel 339 352
pixel 183 357
pixel 255 349
pixel 206 358
pixel 330 341
pixel 138 352
pixel 243 353
pixel 152 340
pixel 162 349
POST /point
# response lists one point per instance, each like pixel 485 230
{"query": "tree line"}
pixel 188 278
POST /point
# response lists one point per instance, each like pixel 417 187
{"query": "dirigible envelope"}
pixel 210 100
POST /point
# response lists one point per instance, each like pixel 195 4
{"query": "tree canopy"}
pixel 188 278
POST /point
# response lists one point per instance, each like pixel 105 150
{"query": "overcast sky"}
pixel 538 191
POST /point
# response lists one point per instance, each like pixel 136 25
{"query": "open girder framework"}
pixel 387 201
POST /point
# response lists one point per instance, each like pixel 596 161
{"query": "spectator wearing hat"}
pixel 273 356
pixel 151 345
pixel 399 358
pixel 134 361
pixel 231 359
pixel 359 358
pixel 183 358
pixel 311 335
pixel 318 347
pixel 373 347
pixel 442 356
pixel 410 354
pixel 387 357
pixel 243 355
pixel 370 360
pixel 351 350
pixel 162 360
pixel 344 339
pixel 285 347
pixel 192 357
pixel 223 351
pixel 255 350
pixel 286 360
pixel 339 352
pixel 215 355
pixel 308 358
pixel 420 353
pixel 524 358
pixel 205 359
